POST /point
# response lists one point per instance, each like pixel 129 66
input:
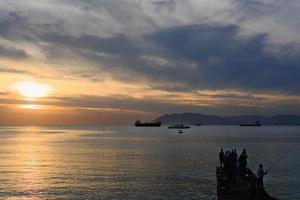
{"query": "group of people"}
pixel 234 164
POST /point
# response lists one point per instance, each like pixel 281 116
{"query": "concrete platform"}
pixel 239 188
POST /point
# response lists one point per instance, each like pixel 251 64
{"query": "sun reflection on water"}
pixel 29 163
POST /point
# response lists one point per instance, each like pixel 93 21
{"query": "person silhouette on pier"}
pixel 243 163
pixel 260 177
pixel 221 158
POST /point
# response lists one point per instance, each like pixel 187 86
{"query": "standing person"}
pixel 244 153
pixel 260 177
pixel 243 163
pixel 232 169
pixel 235 158
pixel 245 157
pixel 221 158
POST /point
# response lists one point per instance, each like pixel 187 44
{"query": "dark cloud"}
pixel 15 27
pixel 11 26
pixel 9 21
pixel 14 71
pixel 118 45
pixel 225 61
pixel 254 8
pixel 197 57
pixel 12 52
pixel 11 70
pixel 170 4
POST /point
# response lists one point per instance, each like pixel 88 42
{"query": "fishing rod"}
pixel 282 156
pixel 276 162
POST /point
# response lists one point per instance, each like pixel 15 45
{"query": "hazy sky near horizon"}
pixel 112 61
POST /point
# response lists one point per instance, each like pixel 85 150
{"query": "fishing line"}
pixel 282 156
pixel 260 161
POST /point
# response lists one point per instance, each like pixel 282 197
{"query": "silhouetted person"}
pixel 221 158
pixel 260 177
pixel 244 153
pixel 245 156
pixel 231 164
pixel 235 162
pixel 227 162
pixel 243 163
pixel 235 157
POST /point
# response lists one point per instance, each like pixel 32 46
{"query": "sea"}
pixel 125 162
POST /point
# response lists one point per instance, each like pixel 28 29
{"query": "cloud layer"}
pixel 170 46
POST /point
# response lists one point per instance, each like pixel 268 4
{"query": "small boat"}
pixel 138 123
pixel 179 126
pixel 198 124
pixel 255 124
pixel 180 131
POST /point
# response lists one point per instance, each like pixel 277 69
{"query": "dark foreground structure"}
pixel 239 187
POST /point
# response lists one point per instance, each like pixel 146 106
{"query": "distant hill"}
pixel 194 118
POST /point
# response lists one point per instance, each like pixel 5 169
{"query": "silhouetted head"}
pixel 221 150
pixel 261 166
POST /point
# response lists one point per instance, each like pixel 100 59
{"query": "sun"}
pixel 33 90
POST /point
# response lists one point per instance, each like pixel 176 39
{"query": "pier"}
pixel 238 187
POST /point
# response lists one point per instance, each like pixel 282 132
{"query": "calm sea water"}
pixel 138 163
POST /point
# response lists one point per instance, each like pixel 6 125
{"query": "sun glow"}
pixel 33 90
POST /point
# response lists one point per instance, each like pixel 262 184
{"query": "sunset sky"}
pixel 113 61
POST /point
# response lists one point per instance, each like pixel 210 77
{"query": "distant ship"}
pixel 255 124
pixel 138 123
pixel 198 124
pixel 179 126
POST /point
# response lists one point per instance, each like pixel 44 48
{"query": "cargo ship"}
pixel 255 124
pixel 138 123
